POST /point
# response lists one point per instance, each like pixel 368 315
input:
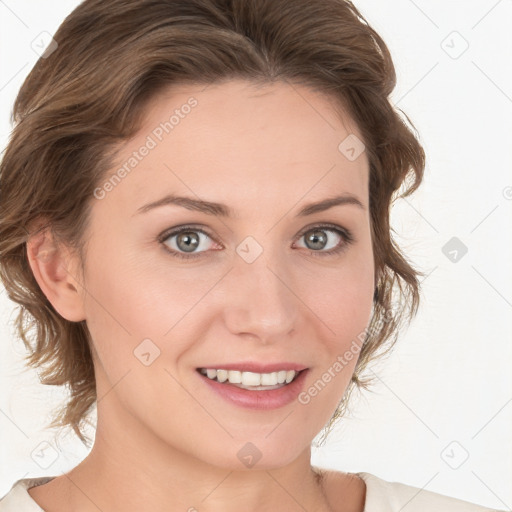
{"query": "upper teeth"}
pixel 250 378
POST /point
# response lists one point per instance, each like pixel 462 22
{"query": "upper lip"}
pixel 257 367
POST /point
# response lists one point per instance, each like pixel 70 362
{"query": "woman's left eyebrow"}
pixel 222 210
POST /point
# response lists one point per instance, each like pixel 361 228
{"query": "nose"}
pixel 260 299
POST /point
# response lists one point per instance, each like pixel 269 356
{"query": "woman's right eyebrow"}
pixel 222 210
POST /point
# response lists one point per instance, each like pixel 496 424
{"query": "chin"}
pixel 253 452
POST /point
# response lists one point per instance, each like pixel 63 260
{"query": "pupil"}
pixel 191 242
pixel 315 237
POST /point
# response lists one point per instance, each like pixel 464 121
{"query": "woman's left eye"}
pixel 186 239
pixel 316 237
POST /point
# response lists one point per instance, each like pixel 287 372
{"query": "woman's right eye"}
pixel 186 239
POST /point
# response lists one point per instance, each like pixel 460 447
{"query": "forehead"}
pixel 238 143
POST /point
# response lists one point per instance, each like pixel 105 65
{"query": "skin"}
pixel 164 440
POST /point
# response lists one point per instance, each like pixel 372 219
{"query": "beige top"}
pixel 381 496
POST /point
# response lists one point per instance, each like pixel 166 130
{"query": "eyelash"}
pixel 345 234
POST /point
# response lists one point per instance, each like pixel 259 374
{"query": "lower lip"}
pixel 261 400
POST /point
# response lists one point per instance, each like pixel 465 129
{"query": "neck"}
pixel 130 468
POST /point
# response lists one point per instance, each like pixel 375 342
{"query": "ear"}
pixel 55 270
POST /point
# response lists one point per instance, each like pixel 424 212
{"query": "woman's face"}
pixel 265 285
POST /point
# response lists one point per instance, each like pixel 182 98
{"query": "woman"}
pixel 195 216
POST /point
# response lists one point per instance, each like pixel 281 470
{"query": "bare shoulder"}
pixel 346 492
pixel 49 495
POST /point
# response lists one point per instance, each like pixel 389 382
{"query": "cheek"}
pixel 345 307
pixel 343 301
pixel 124 291
pixel 120 310
pixel 130 300
pixel 343 296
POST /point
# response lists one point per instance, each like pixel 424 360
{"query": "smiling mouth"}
pixel 251 380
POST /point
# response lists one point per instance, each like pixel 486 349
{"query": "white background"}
pixel 445 393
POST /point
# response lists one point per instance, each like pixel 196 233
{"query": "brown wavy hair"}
pixel 81 100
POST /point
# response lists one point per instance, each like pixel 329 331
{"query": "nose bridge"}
pixel 261 302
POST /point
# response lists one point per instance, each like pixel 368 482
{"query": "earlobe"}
pixel 54 268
